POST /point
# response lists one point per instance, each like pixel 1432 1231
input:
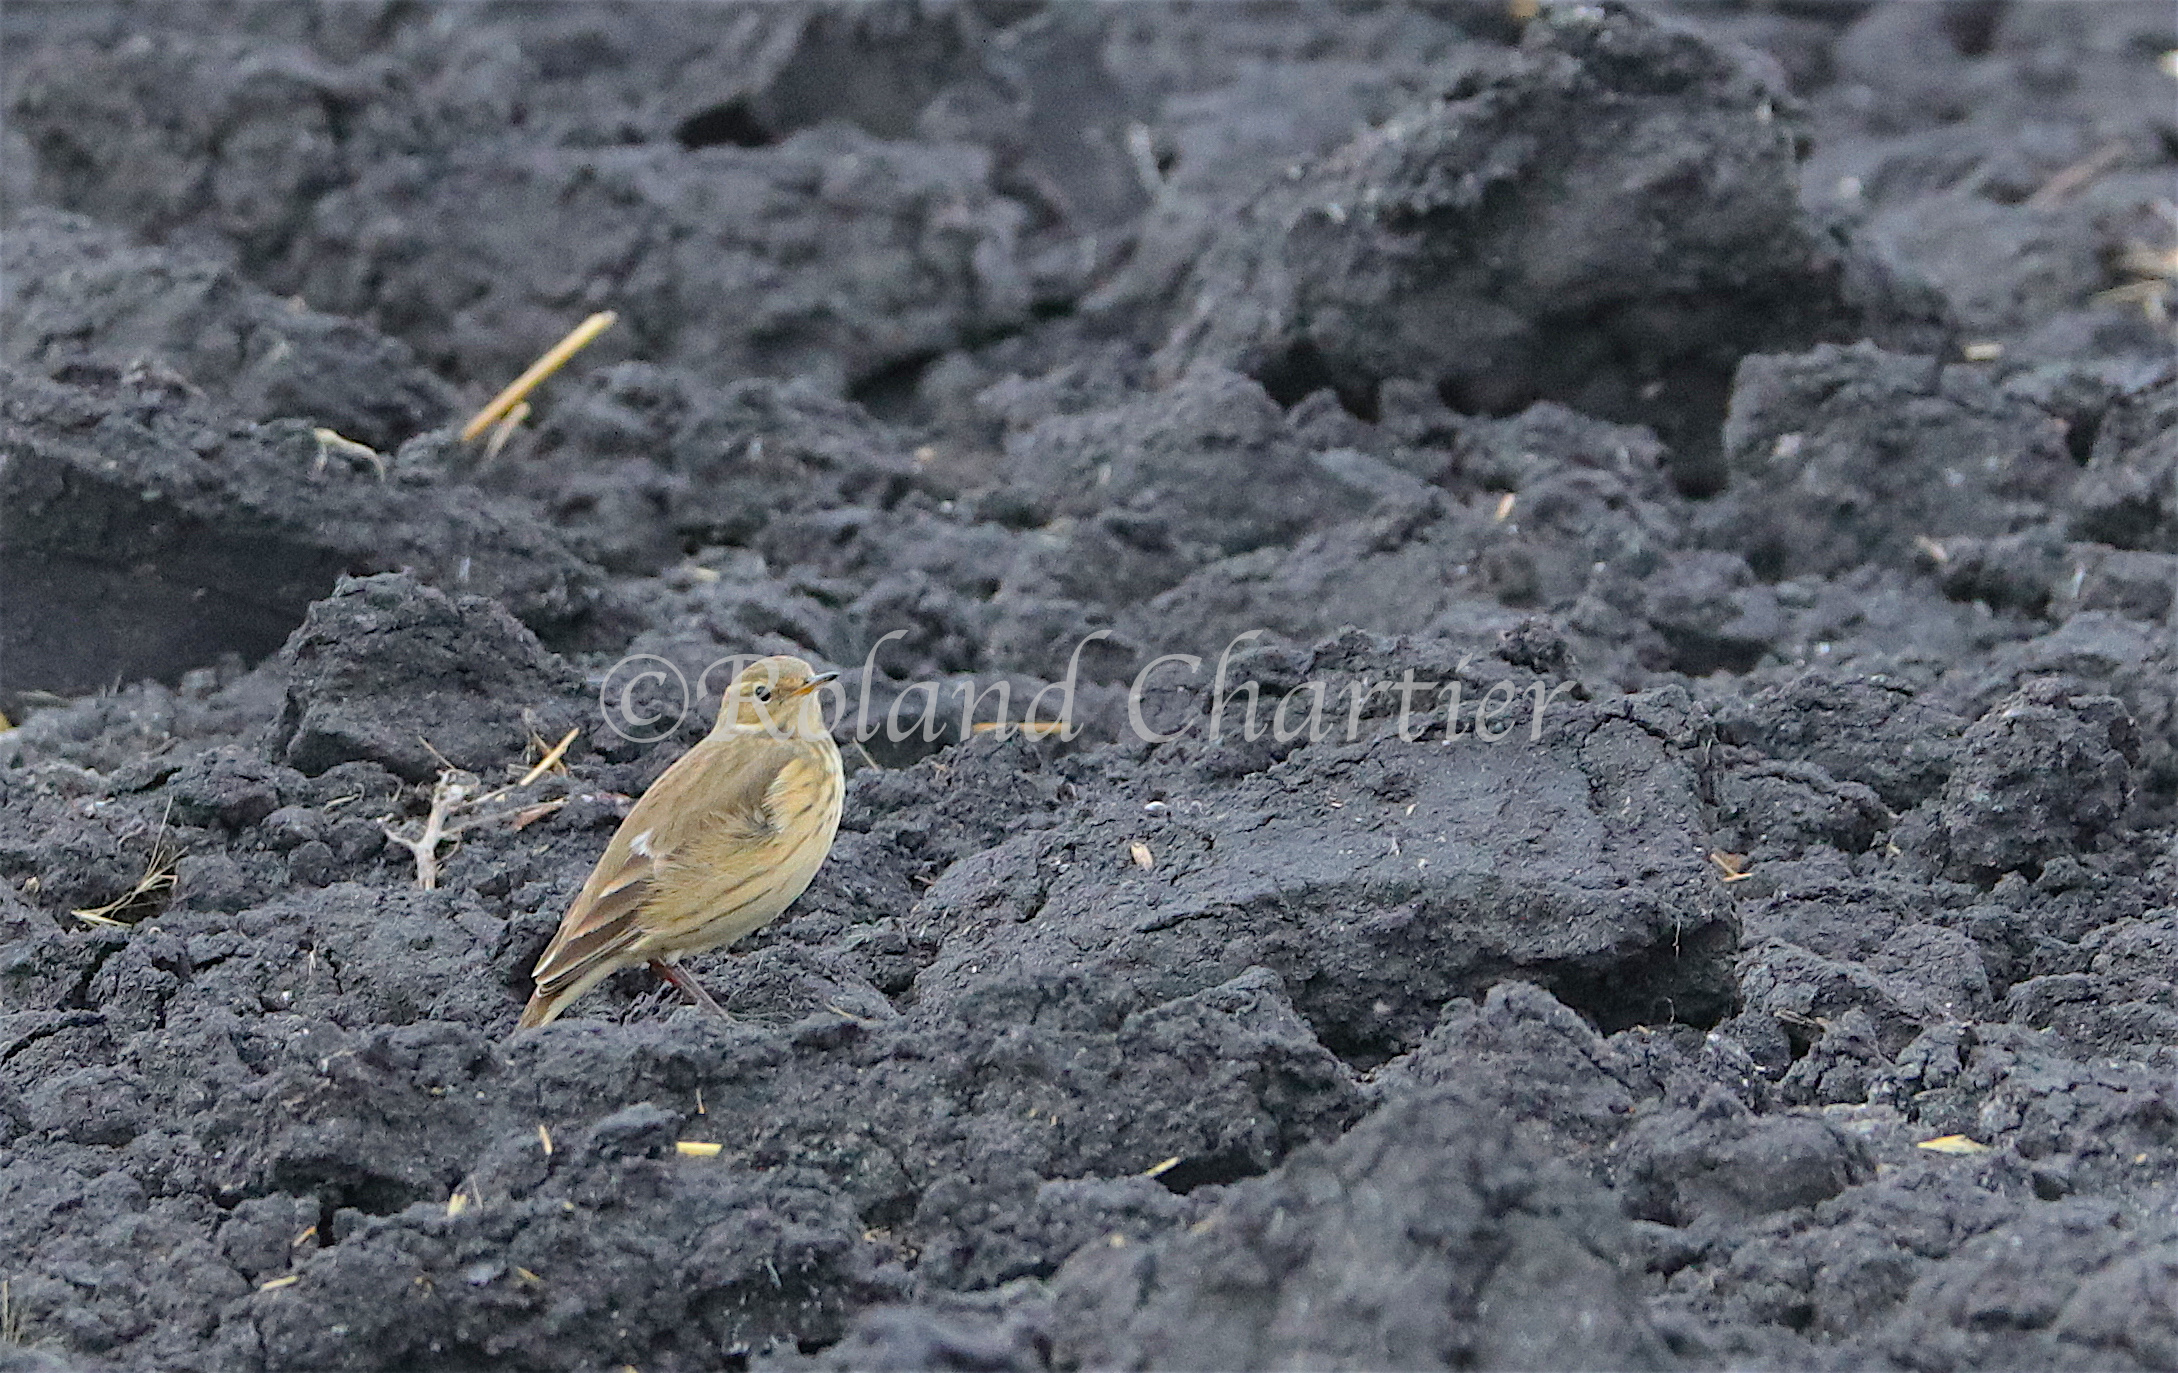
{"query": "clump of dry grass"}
pixel 148 895
pixel 2154 287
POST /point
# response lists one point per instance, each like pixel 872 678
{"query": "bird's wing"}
pixel 719 785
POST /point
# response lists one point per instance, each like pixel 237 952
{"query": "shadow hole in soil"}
pixel 1659 986
pixel 733 122
pixel 2080 435
pixel 1470 396
pixel 890 1213
pixel 1971 25
pixel 1300 372
pixel 889 392
pixel 1218 1170
pixel 1767 561
pixel 1359 1050
pixel 887 752
pixel 1699 655
pixel 373 1196
pixel 376 1196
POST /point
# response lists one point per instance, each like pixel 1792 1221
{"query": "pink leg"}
pixel 689 986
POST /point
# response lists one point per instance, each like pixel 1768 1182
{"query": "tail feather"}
pixel 541 1010
pixel 555 995
pixel 574 962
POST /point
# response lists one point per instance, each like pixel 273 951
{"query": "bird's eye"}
pixel 761 693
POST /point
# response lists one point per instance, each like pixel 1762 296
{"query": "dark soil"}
pixel 1765 414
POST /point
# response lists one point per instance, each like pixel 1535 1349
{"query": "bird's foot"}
pixel 690 988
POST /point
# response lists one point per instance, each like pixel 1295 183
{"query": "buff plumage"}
pixel 723 842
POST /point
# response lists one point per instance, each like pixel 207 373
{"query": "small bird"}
pixel 719 845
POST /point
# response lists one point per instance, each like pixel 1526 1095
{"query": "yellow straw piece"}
pixel 1952 1144
pixel 696 1148
pixel 551 759
pixel 576 340
pixel 504 430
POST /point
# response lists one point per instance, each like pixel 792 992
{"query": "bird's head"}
pixel 778 695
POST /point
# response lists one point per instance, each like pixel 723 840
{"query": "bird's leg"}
pixel 690 987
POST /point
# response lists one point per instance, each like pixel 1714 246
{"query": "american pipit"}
pixel 719 845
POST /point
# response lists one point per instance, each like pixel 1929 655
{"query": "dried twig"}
pixel 331 441
pixel 457 806
pixel 449 794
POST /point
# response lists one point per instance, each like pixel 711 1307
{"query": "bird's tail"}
pixel 574 963
pixel 542 1009
pixel 556 994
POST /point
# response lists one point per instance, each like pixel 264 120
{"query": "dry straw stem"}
pixel 1732 865
pixel 554 359
pixel 551 759
pixel 504 430
pixel 1952 1144
pixel 2076 178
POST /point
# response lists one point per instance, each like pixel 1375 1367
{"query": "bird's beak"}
pixel 817 681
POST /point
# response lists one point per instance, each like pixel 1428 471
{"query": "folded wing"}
pixel 720 785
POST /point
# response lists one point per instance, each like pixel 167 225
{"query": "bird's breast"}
pixel 734 883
